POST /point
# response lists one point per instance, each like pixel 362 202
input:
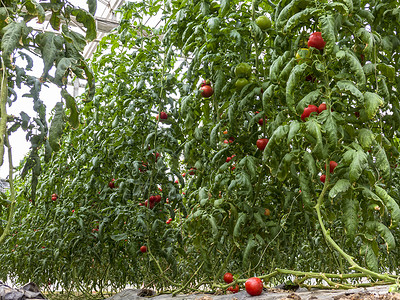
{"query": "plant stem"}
pixel 12 192
pixel 3 110
pixel 187 283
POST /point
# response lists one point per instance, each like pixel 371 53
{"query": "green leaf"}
pixel 327 24
pixel 214 135
pixel 73 109
pixel 225 7
pixel 57 127
pixel 35 9
pixel 305 185
pixel 299 18
pixel 391 205
pixel 293 130
pixel 370 258
pixel 314 129
pixel 92 4
pixel 291 8
pixel 341 186
pixel 296 76
pixel 214 227
pixel 61 76
pixel 366 38
pixel 11 40
pixel 213 24
pixel 284 166
pixel 359 163
pixel 372 103
pixel 388 71
pixel 346 86
pixel 384 232
pixel 88 21
pixel 251 244
pixel 277 66
pixel 239 225
pixel 310 164
pixel 350 219
pixel 354 65
pixel 382 162
pixel 331 128
pixel 366 138
pixel 251 166
pixel 340 7
pixel 284 74
pixel 277 136
pixel 51 46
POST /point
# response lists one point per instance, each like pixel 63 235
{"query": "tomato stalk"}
pixel 219 273
pixel 162 274
pixel 12 192
pixel 3 111
pixel 187 283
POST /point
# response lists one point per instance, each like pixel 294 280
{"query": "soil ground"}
pixel 371 293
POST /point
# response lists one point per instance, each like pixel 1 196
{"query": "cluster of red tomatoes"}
pixel 253 285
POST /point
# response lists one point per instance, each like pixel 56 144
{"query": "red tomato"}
pixel 54 198
pixel 228 159
pixel 163 115
pixel 191 171
pixel 111 184
pixel 261 121
pixel 321 108
pixel 315 40
pixel 226 142
pixel 152 199
pixel 332 166
pixel 158 198
pixel 322 178
pixel 254 286
pixel 143 249
pixel 233 289
pixel 308 110
pixel 228 277
pixel 206 91
pixel 262 143
pixel 54 195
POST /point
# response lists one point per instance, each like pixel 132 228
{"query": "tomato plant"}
pixel 240 202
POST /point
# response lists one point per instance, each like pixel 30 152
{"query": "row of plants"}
pixel 254 138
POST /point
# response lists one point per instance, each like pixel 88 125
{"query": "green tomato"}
pixel 243 70
pixel 263 22
pixel 240 83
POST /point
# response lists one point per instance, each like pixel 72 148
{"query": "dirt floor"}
pixel 371 293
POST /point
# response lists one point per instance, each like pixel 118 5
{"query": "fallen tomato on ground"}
pixel 254 286
pixel 232 289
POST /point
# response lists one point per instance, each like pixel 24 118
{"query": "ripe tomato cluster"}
pixel 162 116
pixel 54 197
pixel 332 166
pixel 312 109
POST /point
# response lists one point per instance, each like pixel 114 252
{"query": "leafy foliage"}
pixel 233 207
